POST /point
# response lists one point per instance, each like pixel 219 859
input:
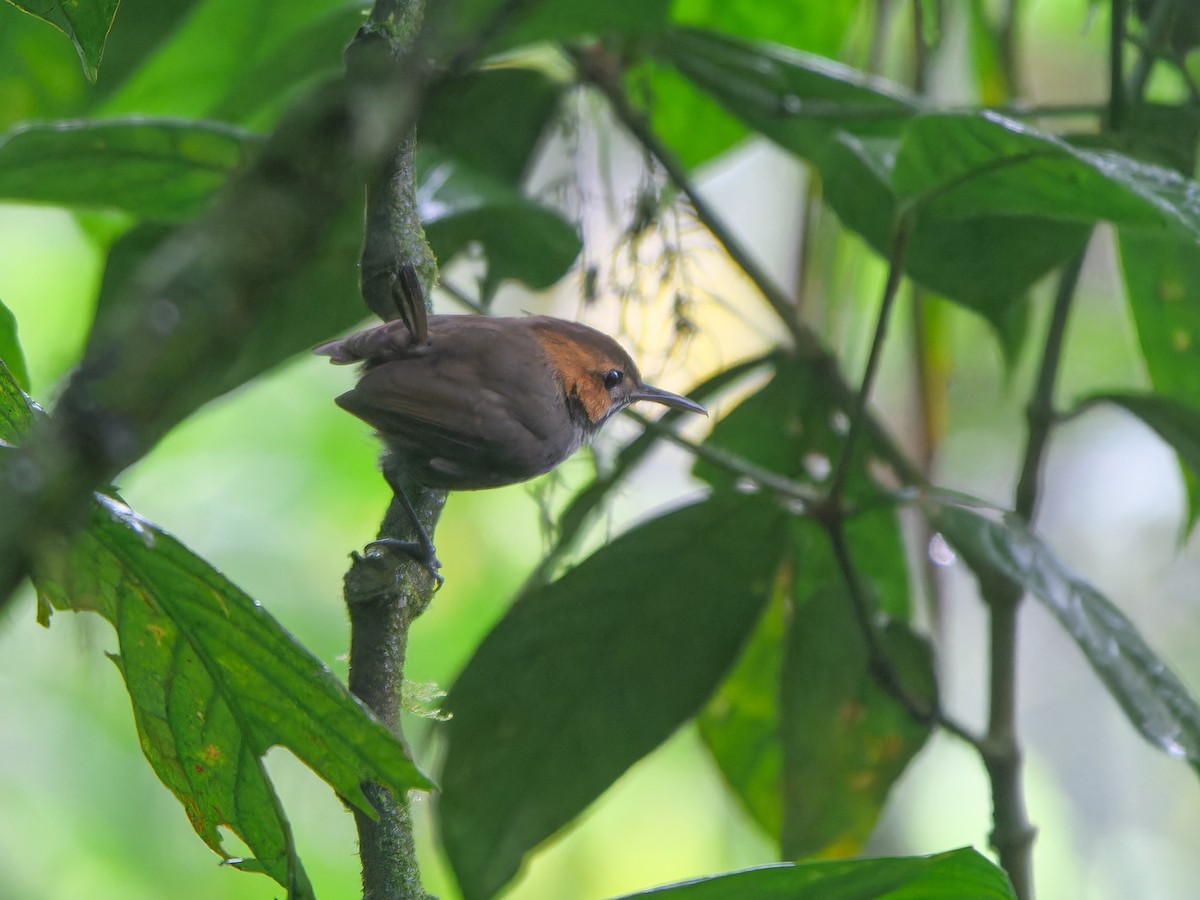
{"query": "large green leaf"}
pixel 1154 699
pixel 233 57
pixel 957 875
pixel 461 206
pixel 215 682
pixel 585 676
pixel 85 22
pixel 982 164
pixel 157 168
pixel 10 347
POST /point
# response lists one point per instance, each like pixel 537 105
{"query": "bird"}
pixel 481 402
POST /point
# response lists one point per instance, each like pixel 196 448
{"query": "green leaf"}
pixel 39 72
pixel 16 409
pixel 261 49
pixel 490 121
pixel 957 875
pixel 807 741
pixel 691 123
pixel 312 50
pixel 1162 282
pixel 215 682
pixel 461 206
pixel 85 22
pixel 587 675
pixel 145 24
pixel 972 165
pixel 10 348
pixel 157 168
pixel 740 724
pixel 845 739
pixel 1152 696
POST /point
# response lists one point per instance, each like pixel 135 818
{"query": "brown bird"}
pixel 484 402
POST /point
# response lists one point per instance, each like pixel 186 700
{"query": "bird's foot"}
pixel 421 551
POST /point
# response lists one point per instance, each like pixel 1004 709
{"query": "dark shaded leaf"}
pixel 215 682
pixel 957 875
pixel 85 22
pixel 10 348
pixel 461 206
pixel 490 121
pixel 585 676
pixel 161 169
pixel 845 739
pixel 1152 696
pixel 450 27
pixel 795 426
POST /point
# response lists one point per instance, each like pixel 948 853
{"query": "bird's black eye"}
pixel 613 377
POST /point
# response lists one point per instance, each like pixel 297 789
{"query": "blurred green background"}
pixel 275 486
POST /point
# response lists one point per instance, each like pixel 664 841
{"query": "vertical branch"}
pixel 1013 834
pixel 385 592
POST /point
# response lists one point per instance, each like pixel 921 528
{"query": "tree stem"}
pixel 1013 834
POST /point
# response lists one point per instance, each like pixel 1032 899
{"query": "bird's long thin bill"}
pixel 658 395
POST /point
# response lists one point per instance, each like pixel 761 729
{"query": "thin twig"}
pixel 1013 834
pixel 901 234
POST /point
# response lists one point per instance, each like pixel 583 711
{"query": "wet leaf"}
pixel 160 169
pixel 957 875
pixel 85 22
pixel 1156 702
pixel 981 164
pixel 587 675
pixel 215 682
